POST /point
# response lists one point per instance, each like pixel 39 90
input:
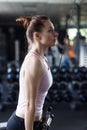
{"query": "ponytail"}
pixel 24 21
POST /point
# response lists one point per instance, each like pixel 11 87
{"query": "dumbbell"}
pixel 56 73
pixel 66 94
pixel 15 90
pixel 82 96
pixel 82 92
pixel 54 94
pixel 83 73
pixel 17 74
pixel 83 85
pixel 13 93
pixel 12 72
pixel 65 74
pixel 46 120
pixel 75 85
pixel 11 77
pixel 75 73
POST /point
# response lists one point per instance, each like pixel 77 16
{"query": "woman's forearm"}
pixel 29 118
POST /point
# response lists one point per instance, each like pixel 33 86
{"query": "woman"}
pixel 35 76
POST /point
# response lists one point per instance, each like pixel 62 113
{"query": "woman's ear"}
pixel 36 35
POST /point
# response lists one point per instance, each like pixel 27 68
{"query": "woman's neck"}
pixel 39 50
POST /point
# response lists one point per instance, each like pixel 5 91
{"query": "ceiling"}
pixel 57 10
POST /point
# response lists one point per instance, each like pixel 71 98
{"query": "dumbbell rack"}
pixel 69 86
pixel 9 96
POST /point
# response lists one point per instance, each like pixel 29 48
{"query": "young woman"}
pixel 35 75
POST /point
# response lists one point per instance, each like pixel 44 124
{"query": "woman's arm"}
pixel 33 72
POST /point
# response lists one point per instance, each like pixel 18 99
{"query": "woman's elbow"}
pixel 30 106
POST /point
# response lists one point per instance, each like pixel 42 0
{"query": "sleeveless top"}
pixel 45 84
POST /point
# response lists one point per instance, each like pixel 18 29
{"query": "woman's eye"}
pixel 50 30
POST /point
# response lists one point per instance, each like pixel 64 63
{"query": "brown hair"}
pixel 32 24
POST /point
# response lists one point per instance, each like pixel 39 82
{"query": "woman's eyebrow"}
pixel 51 28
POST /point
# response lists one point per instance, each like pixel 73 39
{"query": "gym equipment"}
pixel 83 73
pixel 56 73
pixel 54 94
pixel 82 96
pixel 13 93
pixel 75 85
pixel 46 120
pixel 11 84
pixel 66 93
pixel 65 74
pixel 12 74
pixel 82 92
pixel 75 74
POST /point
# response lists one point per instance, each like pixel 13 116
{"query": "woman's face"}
pixel 48 34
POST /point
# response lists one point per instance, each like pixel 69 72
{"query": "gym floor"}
pixel 64 117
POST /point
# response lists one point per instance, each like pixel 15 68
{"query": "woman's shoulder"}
pixel 31 59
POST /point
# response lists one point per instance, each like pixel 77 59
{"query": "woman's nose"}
pixel 56 34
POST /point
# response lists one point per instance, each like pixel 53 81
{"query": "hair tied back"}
pixel 24 21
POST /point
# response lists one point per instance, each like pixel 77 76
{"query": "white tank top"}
pixel 45 84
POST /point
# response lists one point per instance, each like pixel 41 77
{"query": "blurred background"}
pixel 67 59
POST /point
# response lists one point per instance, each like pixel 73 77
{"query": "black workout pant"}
pixel 17 123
